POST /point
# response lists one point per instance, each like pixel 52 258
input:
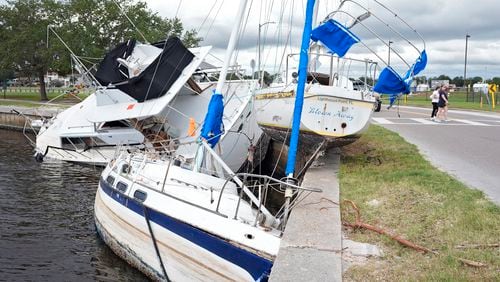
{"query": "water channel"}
pixel 47 228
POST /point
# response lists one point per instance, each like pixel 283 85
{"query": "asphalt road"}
pixel 467 147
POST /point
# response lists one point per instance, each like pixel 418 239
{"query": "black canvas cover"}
pixel 109 68
pixel 168 67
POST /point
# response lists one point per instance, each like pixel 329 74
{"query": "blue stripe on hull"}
pixel 258 267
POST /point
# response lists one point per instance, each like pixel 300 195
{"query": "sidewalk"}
pixel 311 248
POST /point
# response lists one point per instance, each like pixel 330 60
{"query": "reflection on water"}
pixel 47 226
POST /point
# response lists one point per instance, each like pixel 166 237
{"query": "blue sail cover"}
pixel 212 126
pixel 390 82
pixel 335 37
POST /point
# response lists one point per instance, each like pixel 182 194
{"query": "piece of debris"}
pixel 357 253
pixel 374 203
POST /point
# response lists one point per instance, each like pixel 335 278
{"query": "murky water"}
pixel 47 228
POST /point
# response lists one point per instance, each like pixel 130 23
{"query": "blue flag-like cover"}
pixel 420 64
pixel 212 126
pixel 390 82
pixel 417 67
pixel 335 37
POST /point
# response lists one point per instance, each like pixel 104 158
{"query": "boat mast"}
pixel 299 96
pixel 212 126
pixel 230 46
pixel 297 110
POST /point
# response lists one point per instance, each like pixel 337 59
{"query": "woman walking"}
pixel 434 99
pixel 443 104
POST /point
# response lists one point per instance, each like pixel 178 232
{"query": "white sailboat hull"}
pixel 332 114
pixel 193 243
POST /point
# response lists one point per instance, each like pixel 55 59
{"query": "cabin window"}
pixel 81 143
pixel 98 142
pixel 75 143
pixel 140 195
pixel 122 187
pixel 115 124
pixel 111 180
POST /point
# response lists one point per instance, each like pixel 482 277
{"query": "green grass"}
pixel 422 204
pixel 458 100
pixel 30 97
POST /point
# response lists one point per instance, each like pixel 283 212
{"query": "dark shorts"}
pixel 441 104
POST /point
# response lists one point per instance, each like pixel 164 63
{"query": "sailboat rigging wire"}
pixel 159 60
pixel 213 20
pixel 402 20
pixel 281 151
pixel 277 67
pixel 49 28
pixel 208 15
pixel 130 21
pixel 267 19
pixel 241 32
pixel 383 22
pixel 379 38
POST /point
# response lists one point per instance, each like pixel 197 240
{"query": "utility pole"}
pixel 389 55
pixel 465 69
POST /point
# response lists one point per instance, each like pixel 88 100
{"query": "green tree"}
pixel 23 26
pixel 421 79
pixel 495 80
pixel 369 80
pixel 88 27
pixel 443 77
pixel 458 81
pixel 474 79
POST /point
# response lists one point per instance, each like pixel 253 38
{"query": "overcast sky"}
pixel 442 23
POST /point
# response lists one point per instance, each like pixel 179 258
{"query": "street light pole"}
pixel 465 69
pixel 389 55
pixel 261 73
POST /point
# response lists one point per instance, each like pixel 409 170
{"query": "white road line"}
pixel 382 121
pixel 423 120
pixel 471 122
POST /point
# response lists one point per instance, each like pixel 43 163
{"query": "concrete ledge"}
pixel 312 243
pixel 12 121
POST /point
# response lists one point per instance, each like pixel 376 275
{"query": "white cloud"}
pixel 442 23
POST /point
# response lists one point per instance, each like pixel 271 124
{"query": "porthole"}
pixel 122 187
pixel 110 179
pixel 140 195
pixel 249 236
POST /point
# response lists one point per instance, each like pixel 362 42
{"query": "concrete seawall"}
pixel 14 117
pixel 311 249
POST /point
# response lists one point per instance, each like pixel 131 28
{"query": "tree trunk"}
pixel 43 92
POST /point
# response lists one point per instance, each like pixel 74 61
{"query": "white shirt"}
pixel 435 96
